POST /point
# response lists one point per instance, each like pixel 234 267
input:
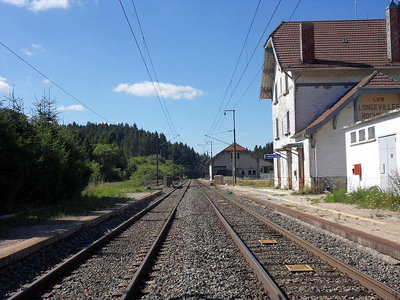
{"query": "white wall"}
pixel 367 153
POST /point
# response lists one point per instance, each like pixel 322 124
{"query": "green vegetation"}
pixel 256 183
pixel 366 198
pixel 45 164
pixel 94 197
pixel 307 190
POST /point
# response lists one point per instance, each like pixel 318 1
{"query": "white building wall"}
pixel 367 153
pixel 331 146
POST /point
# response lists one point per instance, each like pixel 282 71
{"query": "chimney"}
pixel 393 31
pixel 307 47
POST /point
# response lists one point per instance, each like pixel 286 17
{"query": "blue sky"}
pixel 86 47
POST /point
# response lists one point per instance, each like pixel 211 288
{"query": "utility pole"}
pixel 211 164
pixel 158 149
pixel 234 144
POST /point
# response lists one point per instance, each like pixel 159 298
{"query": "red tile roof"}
pixel 238 148
pixel 376 80
pixel 338 44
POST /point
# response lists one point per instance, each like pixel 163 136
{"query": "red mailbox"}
pixel 357 169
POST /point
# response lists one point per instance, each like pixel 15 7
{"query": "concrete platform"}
pixel 25 240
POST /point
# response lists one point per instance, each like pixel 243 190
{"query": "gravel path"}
pixel 199 259
pixel 377 266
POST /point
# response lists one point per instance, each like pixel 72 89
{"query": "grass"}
pixel 94 197
pixel 256 183
pixel 366 198
pixel 305 191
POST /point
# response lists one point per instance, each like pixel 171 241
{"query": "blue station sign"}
pixel 269 156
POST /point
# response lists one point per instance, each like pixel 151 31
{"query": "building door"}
pixel 289 170
pixel 301 167
pixel 278 171
pixel 387 159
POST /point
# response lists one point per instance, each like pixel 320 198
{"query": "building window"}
pixel 277 128
pixel 249 172
pixel 286 83
pixel 254 172
pixel 353 137
pixel 361 135
pixel 371 132
pixel 238 156
pixel 287 123
pixel 276 92
pixel 231 155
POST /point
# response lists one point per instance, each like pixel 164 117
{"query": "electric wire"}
pixel 145 64
pixel 53 82
pixel 152 65
pixel 248 63
pixel 258 72
pixel 237 64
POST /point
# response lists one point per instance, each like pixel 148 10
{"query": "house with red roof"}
pixel 322 76
pixel 247 164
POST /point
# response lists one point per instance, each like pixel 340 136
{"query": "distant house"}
pixel 322 76
pixel 247 164
pixel 372 149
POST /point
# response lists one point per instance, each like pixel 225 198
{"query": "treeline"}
pixel 123 141
pixel 261 150
pixel 43 163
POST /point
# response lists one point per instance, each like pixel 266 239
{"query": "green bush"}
pixel 366 198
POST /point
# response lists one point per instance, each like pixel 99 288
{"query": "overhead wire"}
pixel 251 57
pixel 53 82
pixel 259 70
pixel 152 66
pixel 237 63
pixel 145 64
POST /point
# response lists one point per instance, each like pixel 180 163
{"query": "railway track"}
pixel 99 270
pixel 297 270
pixel 181 247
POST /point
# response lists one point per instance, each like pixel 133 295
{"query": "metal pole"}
pixel 234 148
pixel 211 175
pixel 158 141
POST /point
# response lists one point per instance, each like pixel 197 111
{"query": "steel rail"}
pixel 137 278
pixel 380 289
pixel 268 283
pixel 45 280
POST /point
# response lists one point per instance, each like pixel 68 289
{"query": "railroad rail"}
pixel 46 280
pixel 288 266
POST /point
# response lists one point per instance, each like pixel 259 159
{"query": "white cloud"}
pixel 39 5
pixel 4 86
pixel 33 49
pixel 19 3
pixel 171 91
pixel 76 107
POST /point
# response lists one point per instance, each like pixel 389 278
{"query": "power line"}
pixel 251 57
pixel 152 65
pixel 53 82
pixel 145 64
pixel 237 63
pixel 258 72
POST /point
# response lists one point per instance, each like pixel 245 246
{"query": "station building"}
pixel 247 164
pixel 322 76
pixel 373 158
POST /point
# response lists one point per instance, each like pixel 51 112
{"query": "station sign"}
pixel 269 156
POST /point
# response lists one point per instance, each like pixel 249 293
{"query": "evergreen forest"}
pixel 43 163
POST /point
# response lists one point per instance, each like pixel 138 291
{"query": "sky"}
pixel 86 57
